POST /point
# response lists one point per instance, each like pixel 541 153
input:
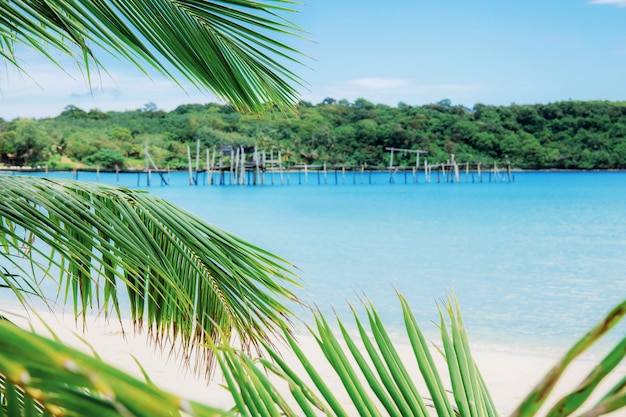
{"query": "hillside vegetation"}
pixel 561 135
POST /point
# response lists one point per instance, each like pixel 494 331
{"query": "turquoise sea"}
pixel 534 262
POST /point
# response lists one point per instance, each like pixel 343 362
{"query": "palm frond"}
pixel 376 381
pixel 228 47
pixel 613 399
pixel 371 371
pixel 186 280
pixel 41 377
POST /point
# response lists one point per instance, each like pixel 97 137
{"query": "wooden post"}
pixel 280 166
pixel 257 178
pixel 221 170
pixel 271 162
pixel 508 168
pixel 417 167
pixel 236 167
pixel 264 169
pixel 212 165
pixel 242 166
pixel 207 167
pixel 391 166
pixel 189 164
pixel 455 166
pixel 480 175
pixel 325 175
pixel 197 160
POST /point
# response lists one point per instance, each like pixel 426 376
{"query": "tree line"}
pixel 561 135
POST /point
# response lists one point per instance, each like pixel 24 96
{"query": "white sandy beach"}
pixel 509 376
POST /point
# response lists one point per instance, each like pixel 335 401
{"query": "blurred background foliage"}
pixel 563 135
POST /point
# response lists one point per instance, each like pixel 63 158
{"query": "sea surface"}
pixel 534 262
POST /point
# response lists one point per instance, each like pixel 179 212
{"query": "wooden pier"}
pixel 238 165
pixel 250 166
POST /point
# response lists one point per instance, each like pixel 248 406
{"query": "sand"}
pixel 509 376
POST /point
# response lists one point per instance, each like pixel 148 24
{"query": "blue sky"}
pixel 494 52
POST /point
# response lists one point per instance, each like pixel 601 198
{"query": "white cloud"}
pixel 47 90
pixel 451 88
pixel 374 83
pixel 618 3
pixel 408 91
pixel 409 86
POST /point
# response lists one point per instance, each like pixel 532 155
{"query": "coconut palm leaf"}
pixel 613 399
pixel 370 370
pixel 231 48
pixel 41 377
pixel 185 280
pixel 379 383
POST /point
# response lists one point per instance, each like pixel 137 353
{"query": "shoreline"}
pixel 509 376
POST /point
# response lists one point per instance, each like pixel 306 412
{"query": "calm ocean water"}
pixel 534 263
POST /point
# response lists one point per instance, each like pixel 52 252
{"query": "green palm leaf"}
pixel 613 399
pixel 41 377
pixel 373 360
pixel 371 371
pixel 231 48
pixel 186 280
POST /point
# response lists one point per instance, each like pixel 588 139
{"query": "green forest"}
pixel 562 135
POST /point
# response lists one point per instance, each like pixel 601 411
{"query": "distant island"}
pixel 584 135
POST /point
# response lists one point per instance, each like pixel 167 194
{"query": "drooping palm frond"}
pixel 231 48
pixel 42 377
pixel 186 281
